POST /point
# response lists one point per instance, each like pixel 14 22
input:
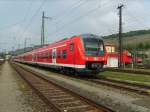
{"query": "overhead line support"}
pixel 120 57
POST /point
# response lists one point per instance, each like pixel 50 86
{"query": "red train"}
pixel 83 53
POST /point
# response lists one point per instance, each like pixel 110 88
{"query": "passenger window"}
pixel 39 56
pixel 72 47
pixel 59 54
pixel 64 54
pixel 46 55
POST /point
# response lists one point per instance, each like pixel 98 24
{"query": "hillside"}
pixel 140 39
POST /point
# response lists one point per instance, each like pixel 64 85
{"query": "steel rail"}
pixel 58 98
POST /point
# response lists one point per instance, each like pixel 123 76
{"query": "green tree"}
pixel 147 46
pixel 140 46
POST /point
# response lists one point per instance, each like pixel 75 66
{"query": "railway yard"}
pixel 30 88
pixel 75 56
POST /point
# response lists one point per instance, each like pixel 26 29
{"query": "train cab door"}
pixel 54 56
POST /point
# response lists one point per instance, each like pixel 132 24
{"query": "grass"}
pixel 126 76
pixel 138 69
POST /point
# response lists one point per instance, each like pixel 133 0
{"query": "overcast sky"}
pixel 21 19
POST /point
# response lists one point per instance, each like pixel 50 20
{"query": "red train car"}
pixel 82 53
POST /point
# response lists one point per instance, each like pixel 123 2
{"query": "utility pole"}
pixel 120 57
pixel 42 33
pixel 25 43
pixel 12 50
pixel 43 28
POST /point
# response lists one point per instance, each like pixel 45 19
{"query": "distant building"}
pixel 7 57
pixel 112 60
pixel 110 48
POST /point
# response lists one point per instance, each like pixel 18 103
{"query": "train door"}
pixel 72 53
pixel 32 58
pixel 54 56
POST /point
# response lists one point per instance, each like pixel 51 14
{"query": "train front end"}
pixel 95 56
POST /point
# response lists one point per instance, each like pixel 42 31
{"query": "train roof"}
pixel 62 40
pixel 91 36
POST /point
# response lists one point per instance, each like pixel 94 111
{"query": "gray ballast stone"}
pixel 107 97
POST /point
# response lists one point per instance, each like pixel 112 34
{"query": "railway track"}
pixel 132 87
pixel 58 99
pixel 136 71
pixel 140 89
pixel 1 62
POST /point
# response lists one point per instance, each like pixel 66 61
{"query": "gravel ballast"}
pixel 117 100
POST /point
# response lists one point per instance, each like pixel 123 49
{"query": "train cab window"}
pixel 72 47
pixel 64 54
pixel 93 46
pixel 59 54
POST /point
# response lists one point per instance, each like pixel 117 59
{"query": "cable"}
pixel 76 19
pixel 14 24
pixel 25 16
pixel 137 20
pixel 66 10
pixel 32 18
pixel 58 22
pixel 11 25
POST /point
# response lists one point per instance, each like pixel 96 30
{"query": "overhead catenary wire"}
pixel 137 19
pixel 68 12
pixel 11 25
pixel 19 22
pixel 26 15
pixel 32 18
pixel 78 18
pixel 73 6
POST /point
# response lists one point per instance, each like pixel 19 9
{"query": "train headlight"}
pixel 95 58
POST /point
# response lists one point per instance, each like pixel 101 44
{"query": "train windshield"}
pixel 93 46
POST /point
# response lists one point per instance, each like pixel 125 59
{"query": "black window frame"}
pixel 72 47
pixel 64 54
pixel 59 54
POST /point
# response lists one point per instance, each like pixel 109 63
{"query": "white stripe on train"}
pixel 54 64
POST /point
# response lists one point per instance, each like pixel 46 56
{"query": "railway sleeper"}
pixel 72 104
pixel 59 97
pixel 83 109
pixel 56 94
pixel 65 101
pixel 75 108
pixel 52 93
pixel 54 90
